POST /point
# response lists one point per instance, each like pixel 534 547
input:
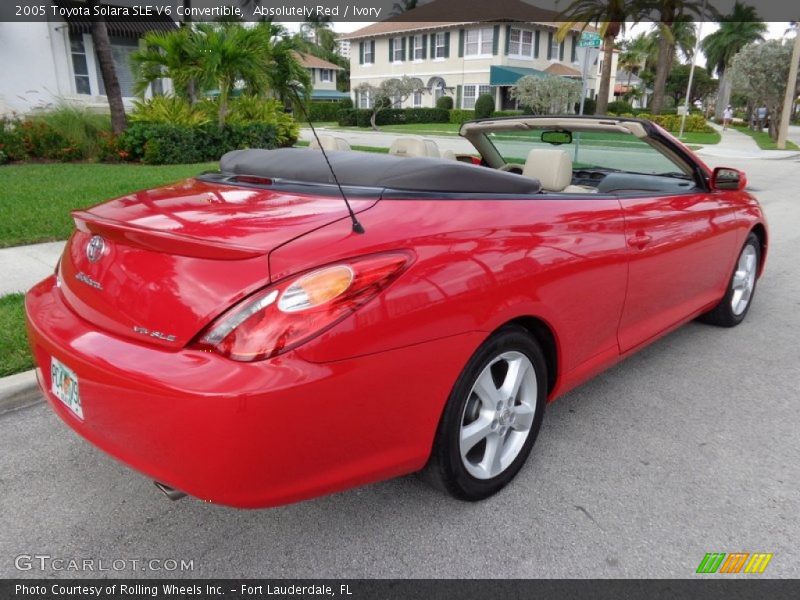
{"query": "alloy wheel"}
pixel 498 415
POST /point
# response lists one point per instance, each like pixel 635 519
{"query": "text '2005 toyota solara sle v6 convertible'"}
pixel 288 327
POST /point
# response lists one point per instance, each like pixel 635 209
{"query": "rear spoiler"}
pixel 160 241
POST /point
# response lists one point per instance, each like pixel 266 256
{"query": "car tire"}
pixel 492 417
pixel 733 307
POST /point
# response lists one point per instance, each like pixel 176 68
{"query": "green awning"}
pixel 505 75
pixel 329 95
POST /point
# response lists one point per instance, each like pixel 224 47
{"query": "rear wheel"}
pixel 733 307
pixel 492 417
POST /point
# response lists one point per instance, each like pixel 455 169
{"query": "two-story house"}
pixel 466 59
pixel 323 77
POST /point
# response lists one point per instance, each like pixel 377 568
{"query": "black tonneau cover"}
pixel 376 170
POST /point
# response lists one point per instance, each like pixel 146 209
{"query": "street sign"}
pixel 589 39
pixel 587 58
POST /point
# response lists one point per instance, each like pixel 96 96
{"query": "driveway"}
pixel 691 446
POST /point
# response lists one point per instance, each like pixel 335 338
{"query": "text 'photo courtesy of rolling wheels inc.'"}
pixel 396 299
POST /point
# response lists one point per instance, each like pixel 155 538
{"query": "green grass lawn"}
pixel 15 355
pixel 37 198
pixel 691 137
pixel 763 140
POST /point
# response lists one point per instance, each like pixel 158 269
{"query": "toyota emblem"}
pixel 95 248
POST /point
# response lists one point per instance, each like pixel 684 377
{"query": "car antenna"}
pixel 357 226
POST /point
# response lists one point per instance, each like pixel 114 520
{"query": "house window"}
pixel 554 47
pixel 398 49
pixel 417 99
pixel 440 45
pixel 80 67
pixel 369 52
pixel 365 99
pixel 471 93
pixel 418 47
pixel 121 50
pixel 520 43
pixel 479 42
pixel 326 75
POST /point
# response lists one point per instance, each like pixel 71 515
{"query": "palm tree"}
pixel 633 56
pixel 102 46
pixel 671 12
pixel 166 55
pixel 736 30
pixel 222 55
pixel 609 16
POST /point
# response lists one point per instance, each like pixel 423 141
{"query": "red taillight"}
pixel 283 316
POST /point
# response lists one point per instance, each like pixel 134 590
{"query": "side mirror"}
pixel 725 178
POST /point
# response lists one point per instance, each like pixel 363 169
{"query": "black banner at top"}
pixel 429 11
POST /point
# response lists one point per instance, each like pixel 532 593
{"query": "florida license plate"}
pixel 64 385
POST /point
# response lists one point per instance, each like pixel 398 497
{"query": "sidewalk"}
pixel 23 266
pixel 735 144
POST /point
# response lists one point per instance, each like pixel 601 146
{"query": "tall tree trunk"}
pixel 723 94
pixel 666 54
pixel 102 47
pixel 191 85
pixel 224 91
pixel 605 76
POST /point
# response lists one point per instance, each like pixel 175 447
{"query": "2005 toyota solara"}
pixel 287 327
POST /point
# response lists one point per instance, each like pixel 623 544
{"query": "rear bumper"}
pixel 247 434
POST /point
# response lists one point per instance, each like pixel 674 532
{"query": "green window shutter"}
pixel 373 50
pixel 508 37
pixel 495 39
pixel 461 42
pixel 549 45
pixel 313 75
pixel 405 40
pixel 447 44
pixel 536 45
pixel 574 51
pixel 458 96
pixel 424 47
pixel 355 98
pixel 391 49
pixel 361 53
pixel 561 51
pixel 410 54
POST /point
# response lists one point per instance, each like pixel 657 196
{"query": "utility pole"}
pixel 788 98
pixel 691 70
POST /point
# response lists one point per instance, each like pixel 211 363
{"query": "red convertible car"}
pixel 244 338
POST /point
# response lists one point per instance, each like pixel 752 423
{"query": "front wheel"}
pixel 492 417
pixel 733 307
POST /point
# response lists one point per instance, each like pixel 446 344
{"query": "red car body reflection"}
pixel 596 277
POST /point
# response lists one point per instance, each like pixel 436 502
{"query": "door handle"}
pixel 639 241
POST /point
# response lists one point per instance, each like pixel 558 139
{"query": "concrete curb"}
pixel 17 391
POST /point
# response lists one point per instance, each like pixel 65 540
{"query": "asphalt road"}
pixel 691 446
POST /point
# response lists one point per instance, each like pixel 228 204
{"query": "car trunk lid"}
pixel 158 265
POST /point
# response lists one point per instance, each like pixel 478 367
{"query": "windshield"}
pixel 598 150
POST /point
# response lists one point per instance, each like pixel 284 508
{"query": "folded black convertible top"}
pixel 376 170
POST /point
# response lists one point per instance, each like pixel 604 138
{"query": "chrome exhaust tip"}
pixel 169 492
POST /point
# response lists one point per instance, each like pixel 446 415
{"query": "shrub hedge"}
pixel 484 106
pixel 325 111
pixel 460 115
pixel 392 116
pixel 162 144
pixel 445 102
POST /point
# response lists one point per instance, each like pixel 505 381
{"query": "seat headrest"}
pixel 414 145
pixel 329 143
pixel 553 168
